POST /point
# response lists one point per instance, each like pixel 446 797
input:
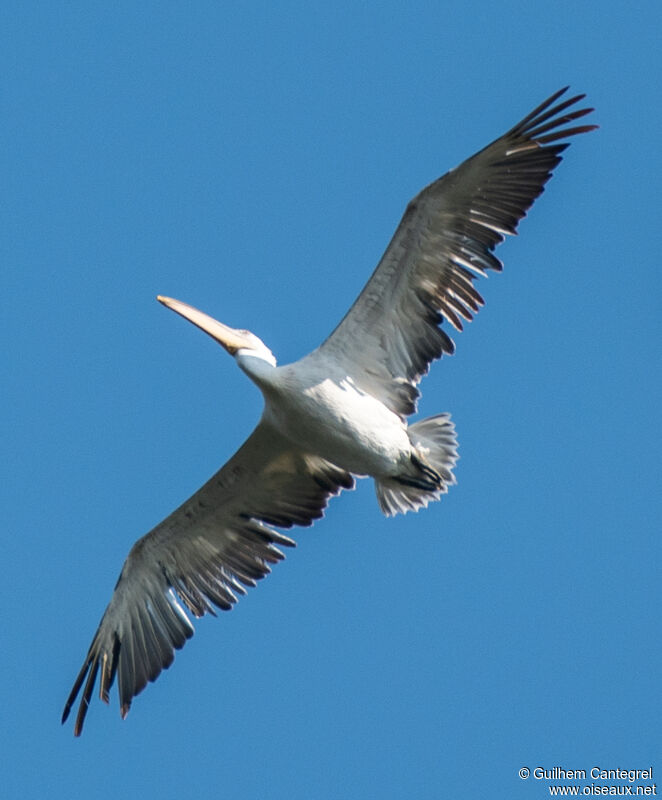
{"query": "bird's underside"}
pixel 224 538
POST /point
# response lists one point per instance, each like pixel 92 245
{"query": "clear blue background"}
pixel 254 160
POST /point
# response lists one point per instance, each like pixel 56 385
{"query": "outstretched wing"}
pixel 445 240
pixel 217 543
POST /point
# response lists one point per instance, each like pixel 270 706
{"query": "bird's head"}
pixel 237 342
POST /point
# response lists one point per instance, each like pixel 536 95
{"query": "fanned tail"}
pixel 431 473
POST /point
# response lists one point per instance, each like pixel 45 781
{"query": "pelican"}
pixel 338 413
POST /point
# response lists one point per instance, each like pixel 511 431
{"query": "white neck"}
pixel 259 365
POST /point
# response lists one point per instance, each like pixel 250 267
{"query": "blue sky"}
pixel 254 160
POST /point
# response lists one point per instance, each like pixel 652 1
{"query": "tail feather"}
pixel 431 473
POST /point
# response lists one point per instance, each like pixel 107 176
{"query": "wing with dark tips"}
pixel 445 240
pixel 202 556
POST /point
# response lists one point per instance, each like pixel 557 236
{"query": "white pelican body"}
pixel 333 418
pixel 325 413
pixel 339 412
pixel 318 407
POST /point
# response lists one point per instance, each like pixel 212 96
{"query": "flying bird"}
pixel 339 412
